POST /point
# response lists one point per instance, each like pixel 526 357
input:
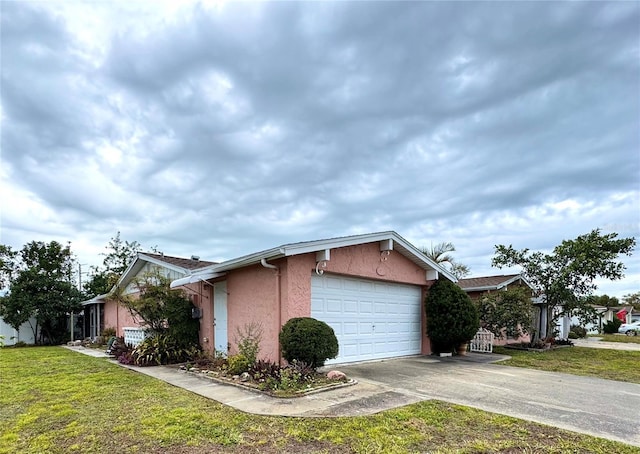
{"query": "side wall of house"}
pixel 252 300
pixel 201 295
pixel 118 317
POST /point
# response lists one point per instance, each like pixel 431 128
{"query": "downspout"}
pixel 264 263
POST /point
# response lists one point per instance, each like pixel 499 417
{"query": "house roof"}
pixel 188 264
pixel 476 284
pixel 397 243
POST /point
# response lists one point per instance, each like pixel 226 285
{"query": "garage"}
pixel 371 319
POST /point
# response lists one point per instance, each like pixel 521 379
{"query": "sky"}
pixel 220 129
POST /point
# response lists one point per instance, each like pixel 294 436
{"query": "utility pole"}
pixel 72 324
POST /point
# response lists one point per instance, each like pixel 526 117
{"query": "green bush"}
pixel 162 349
pixel 238 364
pixel 452 318
pixel 579 332
pixel 611 327
pixel 308 340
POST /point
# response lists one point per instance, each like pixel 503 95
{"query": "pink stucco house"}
pixel 101 312
pixel 369 288
pixel 477 287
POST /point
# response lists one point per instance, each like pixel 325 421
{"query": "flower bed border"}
pixel 246 386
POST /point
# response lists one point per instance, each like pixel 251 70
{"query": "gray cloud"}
pixel 224 131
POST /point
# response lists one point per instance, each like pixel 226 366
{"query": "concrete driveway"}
pixel 603 408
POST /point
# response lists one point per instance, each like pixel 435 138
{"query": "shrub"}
pixel 266 373
pixel 572 335
pixel 563 342
pixel 579 331
pixel 237 364
pixel 205 360
pixel 162 349
pixel 452 318
pixel 308 340
pixel 248 340
pixel 126 358
pixel 118 348
pixel 108 333
pixel 611 327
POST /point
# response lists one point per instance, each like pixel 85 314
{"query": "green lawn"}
pixel 595 362
pixel 57 401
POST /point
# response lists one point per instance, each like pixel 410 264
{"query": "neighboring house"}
pixel 604 315
pixel 12 336
pixel 369 288
pixel 100 312
pixel 626 314
pixel 477 287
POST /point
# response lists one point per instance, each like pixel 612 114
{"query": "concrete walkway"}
pixel 593 406
pixel 595 342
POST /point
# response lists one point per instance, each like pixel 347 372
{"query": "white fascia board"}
pixel 138 263
pixel 245 260
pixel 480 289
pixel 192 279
pixel 334 243
pixel 419 256
pixel 514 279
pixel 287 250
pixel 129 269
pixel 163 264
pixel 95 300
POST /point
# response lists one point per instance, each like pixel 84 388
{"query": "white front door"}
pixel 371 319
pixel 220 316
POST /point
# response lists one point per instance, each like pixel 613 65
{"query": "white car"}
pixel 630 329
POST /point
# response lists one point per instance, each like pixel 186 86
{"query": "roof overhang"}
pixel 194 278
pixel 402 246
pixel 95 300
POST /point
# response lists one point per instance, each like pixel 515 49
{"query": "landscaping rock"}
pixel 336 375
pixel 245 377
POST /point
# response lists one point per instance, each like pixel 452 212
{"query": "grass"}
pixel 618 338
pixel 57 401
pixel 610 364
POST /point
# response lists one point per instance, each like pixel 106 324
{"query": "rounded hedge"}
pixel 309 340
pixel 452 318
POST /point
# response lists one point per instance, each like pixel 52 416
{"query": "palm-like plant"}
pixel 440 253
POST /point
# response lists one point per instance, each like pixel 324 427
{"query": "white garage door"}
pixel 371 319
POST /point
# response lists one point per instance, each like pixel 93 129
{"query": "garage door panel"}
pixel 371 319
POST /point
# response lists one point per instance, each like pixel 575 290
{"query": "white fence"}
pixel 483 342
pixel 133 336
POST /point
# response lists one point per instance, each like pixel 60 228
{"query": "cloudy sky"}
pixel 220 129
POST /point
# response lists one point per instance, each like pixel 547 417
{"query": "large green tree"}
pixel 441 254
pixel 506 313
pixel 41 288
pixel 632 299
pixel 564 278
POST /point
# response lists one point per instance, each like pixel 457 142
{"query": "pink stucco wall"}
pixel 118 317
pixel 201 295
pixel 365 261
pixel 253 292
pixel 251 299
